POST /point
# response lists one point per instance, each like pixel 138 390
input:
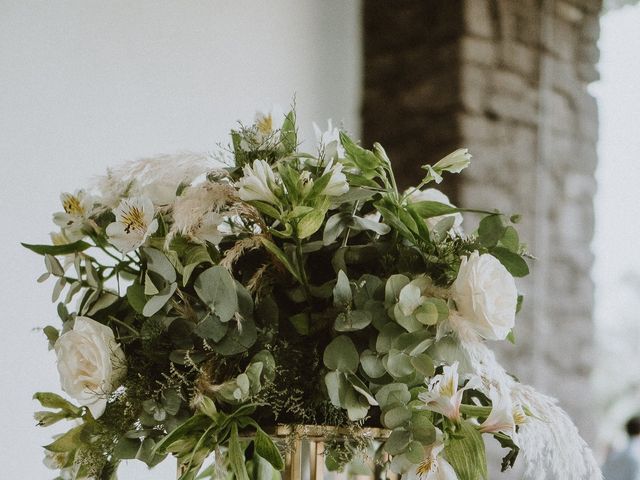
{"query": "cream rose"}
pixel 486 295
pixel 90 363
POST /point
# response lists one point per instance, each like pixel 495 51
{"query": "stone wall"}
pixel 508 79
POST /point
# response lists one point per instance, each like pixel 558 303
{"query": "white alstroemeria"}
pixel 263 133
pixel 338 181
pixel 455 162
pixel 486 295
pixel 77 210
pixel 501 419
pixel 433 195
pixel 433 467
pixel 209 228
pixel 90 362
pixel 306 182
pixel 444 395
pixel 258 183
pixel 134 223
pixel 329 141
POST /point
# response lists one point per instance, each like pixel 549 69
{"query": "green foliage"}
pixel 299 307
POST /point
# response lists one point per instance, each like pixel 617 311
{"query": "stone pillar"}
pixel 508 79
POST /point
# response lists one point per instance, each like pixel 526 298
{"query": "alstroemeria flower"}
pixel 433 467
pixel 134 223
pixel 501 419
pixel 77 210
pixel 258 183
pixel 444 395
pixel 329 141
pixel 337 183
pixel 208 228
pixel 455 162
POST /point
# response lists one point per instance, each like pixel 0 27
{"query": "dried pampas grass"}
pixel 550 443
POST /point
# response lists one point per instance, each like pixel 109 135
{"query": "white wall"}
pixel 86 84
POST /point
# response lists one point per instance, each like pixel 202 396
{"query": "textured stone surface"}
pixel 508 79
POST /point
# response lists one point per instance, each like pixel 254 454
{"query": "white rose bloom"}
pixel 90 363
pixel 337 183
pixel 258 183
pixel 77 210
pixel 486 296
pixel 134 223
pixel 434 195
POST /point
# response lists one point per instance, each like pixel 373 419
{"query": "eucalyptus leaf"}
pixel 371 364
pixel 239 339
pixel 341 355
pixel 211 328
pixel 352 321
pixel 342 291
pixel 217 289
pixel 155 303
pixel 396 417
pixel 158 262
pixel 397 442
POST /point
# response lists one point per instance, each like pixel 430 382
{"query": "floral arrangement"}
pixel 205 299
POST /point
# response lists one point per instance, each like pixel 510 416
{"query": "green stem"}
pixel 302 270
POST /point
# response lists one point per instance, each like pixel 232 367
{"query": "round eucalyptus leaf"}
pixel 396 417
pixel 399 364
pixel 371 364
pixel 397 442
pixel 352 321
pixel 341 355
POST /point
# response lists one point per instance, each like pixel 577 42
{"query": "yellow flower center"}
pixel 264 124
pixel 426 467
pixel 133 220
pixel 72 205
pixel 448 389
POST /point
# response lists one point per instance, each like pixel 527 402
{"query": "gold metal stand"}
pixel 316 436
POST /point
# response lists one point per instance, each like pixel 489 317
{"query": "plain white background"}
pixel 87 84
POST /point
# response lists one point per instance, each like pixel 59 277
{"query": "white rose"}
pixel 434 195
pixel 486 295
pixel 90 363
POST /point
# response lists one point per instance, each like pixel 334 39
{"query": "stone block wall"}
pixel 508 79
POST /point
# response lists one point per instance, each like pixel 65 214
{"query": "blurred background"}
pixel 543 92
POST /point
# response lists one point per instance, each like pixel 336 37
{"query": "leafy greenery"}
pixel 292 287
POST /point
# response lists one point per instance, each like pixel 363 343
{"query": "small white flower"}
pixel 258 183
pixel 455 162
pixel 501 419
pixel 209 228
pixel 434 195
pixel 337 183
pixel 443 395
pixel 90 363
pixel 134 223
pixel 329 141
pixel 433 467
pixel 77 210
pixel 486 296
